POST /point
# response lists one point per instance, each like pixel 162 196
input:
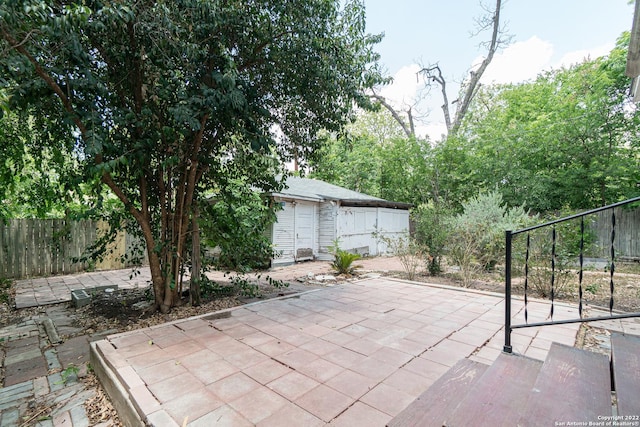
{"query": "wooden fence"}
pixel 627 235
pixel 39 248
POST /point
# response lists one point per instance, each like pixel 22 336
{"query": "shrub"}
pixel 477 238
pixel 411 253
pixel 342 260
pixel 431 231
pixel 238 228
pixel 567 249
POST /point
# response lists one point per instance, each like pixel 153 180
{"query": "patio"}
pixel 350 355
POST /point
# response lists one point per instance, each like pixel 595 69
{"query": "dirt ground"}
pixel 124 310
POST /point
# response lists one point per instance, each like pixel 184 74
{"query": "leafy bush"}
pixel 477 235
pixel 247 287
pixel 342 260
pixel 567 250
pixel 237 226
pixel 411 253
pixel 432 231
pixel 5 290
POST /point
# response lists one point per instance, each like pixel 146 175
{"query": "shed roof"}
pixel 313 189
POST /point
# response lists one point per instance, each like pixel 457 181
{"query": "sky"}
pixel 546 34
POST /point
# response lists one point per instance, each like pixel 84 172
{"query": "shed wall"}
pixel 356 226
pixel 327 229
pixel 282 235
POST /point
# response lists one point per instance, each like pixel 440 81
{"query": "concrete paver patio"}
pixel 349 355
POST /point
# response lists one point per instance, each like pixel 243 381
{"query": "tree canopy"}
pixel 375 158
pixel 567 139
pixel 164 100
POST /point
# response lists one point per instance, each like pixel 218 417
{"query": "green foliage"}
pixel 431 231
pixel 5 290
pixel 567 250
pixel 343 260
pixel 568 138
pixel 164 101
pixel 592 288
pixel 70 373
pixel 40 177
pixel 250 288
pixel 476 237
pixel 245 287
pixel 237 224
pixel 210 289
pixel 412 254
pixel 374 158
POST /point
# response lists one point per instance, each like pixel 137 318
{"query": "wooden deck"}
pixel 572 385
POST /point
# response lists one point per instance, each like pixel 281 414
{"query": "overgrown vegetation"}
pixel 5 290
pixel 240 285
pixel 412 254
pixel 476 239
pixel 553 253
pixel 431 231
pixel 235 228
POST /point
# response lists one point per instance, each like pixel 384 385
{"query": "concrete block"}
pixel 80 298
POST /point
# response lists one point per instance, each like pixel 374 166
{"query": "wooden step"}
pixel 499 396
pixel 573 385
pixel 442 397
pixel 625 359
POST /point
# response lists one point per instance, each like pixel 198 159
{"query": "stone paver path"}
pixel 56 289
pixel 350 355
pixel 35 378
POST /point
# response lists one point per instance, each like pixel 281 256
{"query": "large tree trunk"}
pixel 196 264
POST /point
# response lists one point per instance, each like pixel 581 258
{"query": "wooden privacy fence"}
pixel 627 235
pixel 46 247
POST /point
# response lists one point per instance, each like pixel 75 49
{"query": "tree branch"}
pixel 55 87
pixel 408 129
pixel 434 74
pixel 477 75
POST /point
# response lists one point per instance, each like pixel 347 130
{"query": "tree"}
pixel 433 74
pixel 567 139
pixel 163 100
pixel 374 157
pixel 37 177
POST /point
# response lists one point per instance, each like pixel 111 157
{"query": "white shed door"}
pixel 304 231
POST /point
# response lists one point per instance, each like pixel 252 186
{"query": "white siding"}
pixel 296 228
pixel 393 223
pixel 327 229
pixel 306 230
pixel 283 235
pixel 356 226
pixel 322 223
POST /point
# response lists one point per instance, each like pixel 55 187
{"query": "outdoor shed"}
pixel 314 213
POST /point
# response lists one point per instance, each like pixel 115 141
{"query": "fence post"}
pixel 507 293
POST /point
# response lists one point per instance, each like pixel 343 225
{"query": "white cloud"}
pixel 519 62
pixel 404 89
pixel 578 56
pixel 524 60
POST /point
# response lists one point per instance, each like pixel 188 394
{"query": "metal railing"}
pixel 509 235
